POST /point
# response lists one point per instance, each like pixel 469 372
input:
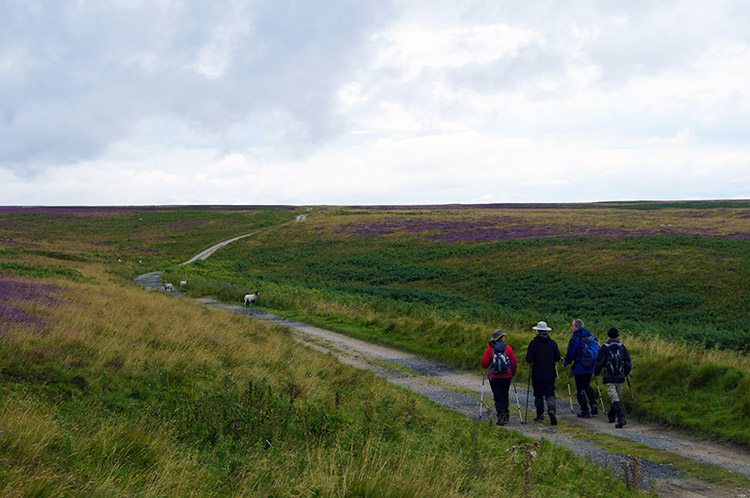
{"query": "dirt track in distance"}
pixel 460 391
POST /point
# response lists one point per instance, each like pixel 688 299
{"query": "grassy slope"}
pixel 397 277
pixel 118 392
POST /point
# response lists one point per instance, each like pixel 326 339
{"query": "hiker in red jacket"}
pixel 502 364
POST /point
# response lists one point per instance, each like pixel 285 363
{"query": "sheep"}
pixel 168 288
pixel 250 299
pixel 183 283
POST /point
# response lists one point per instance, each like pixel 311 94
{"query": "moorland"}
pixel 106 389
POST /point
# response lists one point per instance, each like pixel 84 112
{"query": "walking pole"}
pixel 528 389
pixel 518 402
pixel 481 399
pixel 570 394
pixel 633 396
pixel 600 393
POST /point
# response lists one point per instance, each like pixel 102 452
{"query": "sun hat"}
pixel 497 335
pixel 613 332
pixel 541 326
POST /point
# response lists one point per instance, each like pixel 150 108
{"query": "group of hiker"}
pixel 587 358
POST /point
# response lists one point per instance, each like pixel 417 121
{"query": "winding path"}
pixel 460 391
pixel 205 254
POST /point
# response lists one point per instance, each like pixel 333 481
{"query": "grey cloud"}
pixel 634 38
pixel 76 78
pixel 519 71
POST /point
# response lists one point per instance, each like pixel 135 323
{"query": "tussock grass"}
pixel 705 391
pixel 130 393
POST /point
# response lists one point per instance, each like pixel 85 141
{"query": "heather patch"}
pixel 67 211
pixel 562 232
pixel 189 223
pixel 16 292
pixel 509 228
pixel 415 225
pixel 17 243
pixel 37 271
pixel 738 236
pixel 464 207
pixel 492 234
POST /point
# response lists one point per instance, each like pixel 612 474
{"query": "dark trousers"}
pixel 544 390
pixel 500 389
pixel 584 392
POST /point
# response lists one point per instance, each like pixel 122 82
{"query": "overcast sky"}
pixel 134 102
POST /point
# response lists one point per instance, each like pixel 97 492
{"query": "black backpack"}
pixel 615 364
pixel 500 362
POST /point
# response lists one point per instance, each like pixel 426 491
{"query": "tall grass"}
pixel 130 393
pixel 675 382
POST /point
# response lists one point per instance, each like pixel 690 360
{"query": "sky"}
pixel 341 102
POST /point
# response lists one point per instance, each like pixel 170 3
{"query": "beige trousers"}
pixel 614 391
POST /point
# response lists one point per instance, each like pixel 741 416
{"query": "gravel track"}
pixel 460 391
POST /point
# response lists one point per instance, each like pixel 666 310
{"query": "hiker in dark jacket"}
pixel 543 354
pixel 614 361
pixel 581 373
pixel 500 383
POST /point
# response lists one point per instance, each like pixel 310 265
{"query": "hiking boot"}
pixel 611 416
pixel 620 415
pixel 539 418
pixel 501 421
pixel 583 414
pixel 552 410
pixel 594 410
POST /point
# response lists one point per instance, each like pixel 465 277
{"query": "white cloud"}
pixel 181 101
pixel 413 48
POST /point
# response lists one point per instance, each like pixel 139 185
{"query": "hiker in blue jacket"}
pixel 581 372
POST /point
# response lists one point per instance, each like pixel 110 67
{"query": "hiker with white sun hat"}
pixel 543 354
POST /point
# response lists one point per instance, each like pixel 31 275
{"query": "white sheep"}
pixel 250 299
pixel 168 288
pixel 183 283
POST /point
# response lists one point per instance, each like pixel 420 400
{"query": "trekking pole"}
pixel 481 399
pixel 600 393
pixel 633 396
pixel 528 389
pixel 518 402
pixel 570 394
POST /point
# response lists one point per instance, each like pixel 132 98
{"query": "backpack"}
pixel 500 362
pixel 589 352
pixel 615 364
